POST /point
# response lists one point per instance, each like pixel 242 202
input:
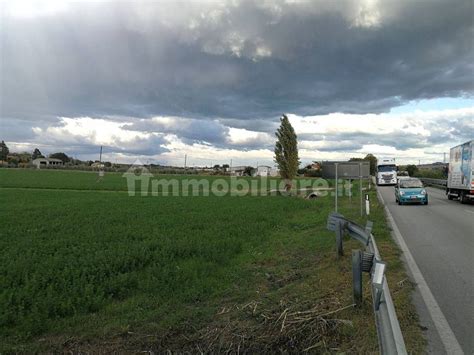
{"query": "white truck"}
pixel 460 182
pixel 386 172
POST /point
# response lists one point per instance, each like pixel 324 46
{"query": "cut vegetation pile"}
pixel 90 271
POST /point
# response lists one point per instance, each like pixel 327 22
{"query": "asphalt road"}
pixel 440 236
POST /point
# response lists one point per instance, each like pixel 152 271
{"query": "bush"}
pixel 430 174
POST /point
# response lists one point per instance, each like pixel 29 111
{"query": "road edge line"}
pixel 446 334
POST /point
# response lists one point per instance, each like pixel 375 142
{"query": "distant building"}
pixel 237 170
pixel 314 166
pixel 261 170
pixel 44 162
pixel 265 170
pixel 98 165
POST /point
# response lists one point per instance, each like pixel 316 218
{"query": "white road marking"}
pixel 445 332
pixel 469 211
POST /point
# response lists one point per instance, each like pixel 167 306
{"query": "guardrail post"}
pixel 377 282
pixel 339 235
pixel 357 276
pixel 388 328
pixel 368 227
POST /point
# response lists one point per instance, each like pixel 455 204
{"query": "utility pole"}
pixel 337 187
pixel 101 172
pixel 360 187
pixel 185 160
pixel 444 157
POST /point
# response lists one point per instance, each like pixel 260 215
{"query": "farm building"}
pixel 44 162
pixel 265 170
pixel 97 164
pixel 237 170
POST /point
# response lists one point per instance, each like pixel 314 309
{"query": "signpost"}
pixel 337 185
pixel 360 187
pixel 347 170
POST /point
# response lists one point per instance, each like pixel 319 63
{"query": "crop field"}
pixel 87 180
pixel 86 267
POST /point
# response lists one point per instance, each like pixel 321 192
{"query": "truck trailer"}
pixel 460 174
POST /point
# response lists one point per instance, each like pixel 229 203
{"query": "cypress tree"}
pixel 4 151
pixel 36 154
pixel 286 151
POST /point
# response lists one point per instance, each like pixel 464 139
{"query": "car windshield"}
pixel 385 168
pixel 410 183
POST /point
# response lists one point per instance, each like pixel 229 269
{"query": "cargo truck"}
pixel 460 174
pixel 386 172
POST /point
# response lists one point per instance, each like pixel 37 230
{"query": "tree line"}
pixel 25 158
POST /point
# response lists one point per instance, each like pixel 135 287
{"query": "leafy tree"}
pixel 303 171
pixel 24 157
pixel 248 171
pixel 412 169
pixel 286 151
pixel 13 160
pixel 373 163
pixel 3 151
pixel 225 166
pixel 61 156
pixel 36 154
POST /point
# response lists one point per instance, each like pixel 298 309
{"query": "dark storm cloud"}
pixel 17 130
pixel 189 130
pixel 147 146
pixel 237 61
pixel 238 64
pixel 256 125
pixel 352 141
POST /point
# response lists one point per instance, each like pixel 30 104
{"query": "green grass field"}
pixel 84 270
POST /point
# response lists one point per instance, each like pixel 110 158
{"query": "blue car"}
pixel 410 190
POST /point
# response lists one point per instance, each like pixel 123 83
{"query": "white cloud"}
pixel 419 135
pixel 33 8
pixel 243 137
pixel 201 154
pixel 90 130
pixel 352 123
pixel 81 135
pixel 368 14
pixel 408 137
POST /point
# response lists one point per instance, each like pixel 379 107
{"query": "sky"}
pixel 158 80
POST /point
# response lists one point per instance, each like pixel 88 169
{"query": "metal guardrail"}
pixel 434 182
pixel 388 328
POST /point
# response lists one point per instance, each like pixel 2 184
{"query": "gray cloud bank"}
pixel 243 62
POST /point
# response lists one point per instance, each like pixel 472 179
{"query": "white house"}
pixel 265 170
pixel 43 162
pixel 237 170
pixel 98 165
